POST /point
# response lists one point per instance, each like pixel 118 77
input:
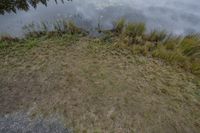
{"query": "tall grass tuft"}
pixel 134 33
pixel 135 29
pixel 190 46
pixel 32 30
pixel 184 51
pixel 58 26
pixel 157 36
pixel 119 26
pixel 72 28
pixel 171 42
pixel 173 56
pixel 44 27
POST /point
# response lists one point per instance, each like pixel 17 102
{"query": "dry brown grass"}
pixel 99 88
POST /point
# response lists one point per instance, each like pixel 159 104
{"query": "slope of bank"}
pixel 95 85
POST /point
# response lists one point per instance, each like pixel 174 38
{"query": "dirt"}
pixel 99 88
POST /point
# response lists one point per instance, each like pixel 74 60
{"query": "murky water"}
pixel 176 16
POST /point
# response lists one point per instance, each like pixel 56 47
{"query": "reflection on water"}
pixel 175 16
pixel 14 5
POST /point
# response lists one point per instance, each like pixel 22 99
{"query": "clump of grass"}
pixel 190 46
pixel 135 29
pixel 44 27
pixel 183 51
pixel 60 27
pixel 171 42
pixel 68 27
pixel 72 28
pixel 137 49
pixel 31 33
pixel 133 33
pixel 119 26
pixel 174 56
pixel 157 36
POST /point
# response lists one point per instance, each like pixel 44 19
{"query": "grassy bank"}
pixel 127 80
pixel 183 51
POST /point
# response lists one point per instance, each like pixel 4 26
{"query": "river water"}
pixel 175 16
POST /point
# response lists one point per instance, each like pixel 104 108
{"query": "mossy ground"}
pixel 97 85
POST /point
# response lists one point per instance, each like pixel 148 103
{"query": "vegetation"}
pixel 121 81
pixel 179 50
pixel 60 28
pixel 183 51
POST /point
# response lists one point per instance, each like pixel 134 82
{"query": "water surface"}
pixel 176 16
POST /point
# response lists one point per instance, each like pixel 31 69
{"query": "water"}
pixel 176 16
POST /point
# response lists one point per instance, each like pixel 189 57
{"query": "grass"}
pixel 134 29
pixel 119 26
pixel 157 36
pixel 179 50
pixel 183 51
pixel 127 80
pixel 60 27
pixel 98 86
